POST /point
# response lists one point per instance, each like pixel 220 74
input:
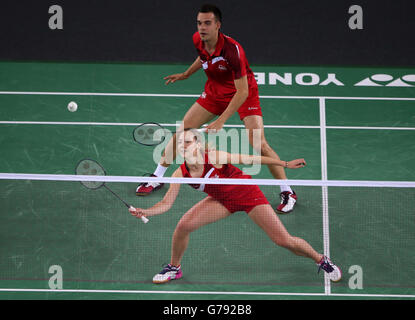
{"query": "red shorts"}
pixel 234 207
pixel 248 198
pixel 250 107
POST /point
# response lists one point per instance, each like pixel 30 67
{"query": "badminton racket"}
pixel 93 168
pixel 152 133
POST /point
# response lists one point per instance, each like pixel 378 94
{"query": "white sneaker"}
pixel 146 188
pixel 288 200
pixel 333 271
pixel 168 273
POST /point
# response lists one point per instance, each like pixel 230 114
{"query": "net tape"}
pixel 140 179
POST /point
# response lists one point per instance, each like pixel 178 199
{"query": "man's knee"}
pixel 261 146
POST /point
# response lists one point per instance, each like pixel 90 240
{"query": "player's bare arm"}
pixel 242 92
pixel 165 204
pixel 196 65
pixel 222 157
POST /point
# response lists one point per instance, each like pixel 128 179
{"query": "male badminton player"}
pixel 231 87
pixel 222 201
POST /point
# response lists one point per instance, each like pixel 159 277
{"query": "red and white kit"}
pixel 226 64
pixel 232 197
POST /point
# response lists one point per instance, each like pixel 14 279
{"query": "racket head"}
pixel 149 134
pixel 90 167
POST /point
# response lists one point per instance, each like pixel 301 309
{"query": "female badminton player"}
pixel 222 201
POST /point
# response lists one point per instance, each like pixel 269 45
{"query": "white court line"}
pixel 369 128
pixel 167 95
pixel 339 98
pixel 81 123
pixel 114 94
pixel 324 193
pixel 266 126
pixel 210 293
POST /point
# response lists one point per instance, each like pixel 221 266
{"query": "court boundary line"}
pixel 241 293
pixel 82 123
pixel 324 193
pixel 160 95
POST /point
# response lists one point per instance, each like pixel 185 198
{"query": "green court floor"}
pixel 344 130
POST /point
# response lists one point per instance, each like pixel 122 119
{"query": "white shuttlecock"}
pixel 72 106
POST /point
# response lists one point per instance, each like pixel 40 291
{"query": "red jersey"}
pixel 233 197
pixel 226 64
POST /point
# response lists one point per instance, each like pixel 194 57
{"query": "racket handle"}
pixel 144 219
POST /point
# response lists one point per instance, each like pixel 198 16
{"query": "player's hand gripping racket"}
pixel 152 133
pixel 93 168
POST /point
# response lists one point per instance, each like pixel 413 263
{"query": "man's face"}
pixel 207 26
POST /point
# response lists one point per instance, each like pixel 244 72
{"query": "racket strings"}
pixel 149 134
pixel 90 167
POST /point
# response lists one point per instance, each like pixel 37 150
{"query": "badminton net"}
pixel 52 220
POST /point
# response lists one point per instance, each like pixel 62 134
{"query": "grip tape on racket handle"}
pixel 144 219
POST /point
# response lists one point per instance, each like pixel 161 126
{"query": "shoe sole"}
pixel 167 280
pixel 284 212
pixel 142 194
pixel 161 282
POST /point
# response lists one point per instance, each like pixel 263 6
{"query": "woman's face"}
pixel 187 145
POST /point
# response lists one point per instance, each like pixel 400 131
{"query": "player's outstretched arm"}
pixel 165 204
pixel 293 164
pixel 222 157
pixel 184 75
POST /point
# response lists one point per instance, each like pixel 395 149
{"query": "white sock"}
pixel 160 171
pixel 286 188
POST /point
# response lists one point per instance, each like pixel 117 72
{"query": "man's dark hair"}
pixel 212 8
